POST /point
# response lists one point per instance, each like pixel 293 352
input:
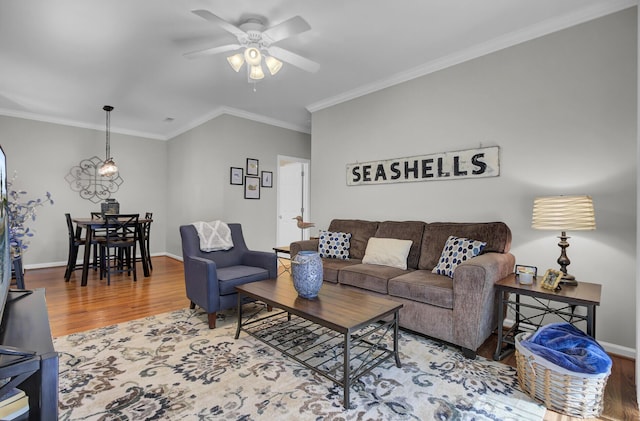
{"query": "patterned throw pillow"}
pixel 334 245
pixel 456 250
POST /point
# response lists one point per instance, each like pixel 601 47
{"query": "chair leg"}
pixel 212 320
pixel 192 305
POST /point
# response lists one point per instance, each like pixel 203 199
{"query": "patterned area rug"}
pixel 172 367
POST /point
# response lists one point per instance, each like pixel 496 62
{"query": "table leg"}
pixel 87 255
pixel 591 321
pixel 239 316
pixel 395 339
pixel 346 381
pixel 143 251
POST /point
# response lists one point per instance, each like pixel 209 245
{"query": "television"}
pixel 5 252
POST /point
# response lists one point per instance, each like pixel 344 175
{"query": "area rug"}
pixel 172 367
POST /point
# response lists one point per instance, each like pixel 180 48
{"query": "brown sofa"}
pixel 460 310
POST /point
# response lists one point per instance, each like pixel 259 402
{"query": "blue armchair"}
pixel 211 277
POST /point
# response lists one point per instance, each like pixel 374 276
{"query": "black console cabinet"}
pixel 25 329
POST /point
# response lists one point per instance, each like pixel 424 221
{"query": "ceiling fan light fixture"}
pixel 236 61
pixel 252 56
pixel 256 72
pixel 273 64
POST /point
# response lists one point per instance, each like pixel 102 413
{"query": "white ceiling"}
pixel 62 60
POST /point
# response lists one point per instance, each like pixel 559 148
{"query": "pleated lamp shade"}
pixel 563 213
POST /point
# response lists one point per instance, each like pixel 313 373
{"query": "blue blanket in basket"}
pixel 568 347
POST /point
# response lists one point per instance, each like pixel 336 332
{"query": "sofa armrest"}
pixel 474 297
pixel 201 282
pixel 298 246
pixel 262 259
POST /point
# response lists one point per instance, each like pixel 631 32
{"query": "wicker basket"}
pixel 570 393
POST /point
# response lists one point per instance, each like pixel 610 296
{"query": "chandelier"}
pixel 253 57
pixel 109 167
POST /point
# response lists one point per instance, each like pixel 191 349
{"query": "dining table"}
pixel 91 225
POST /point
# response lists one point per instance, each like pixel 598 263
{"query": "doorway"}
pixel 293 199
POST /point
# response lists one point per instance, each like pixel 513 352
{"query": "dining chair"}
pixel 118 249
pixel 75 241
pixel 146 234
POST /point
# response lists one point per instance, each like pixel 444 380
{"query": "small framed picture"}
pixel 526 274
pixel 251 187
pixel 551 279
pixel 267 179
pixel 236 176
pixel 252 166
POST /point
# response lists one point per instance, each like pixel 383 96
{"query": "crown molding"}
pixel 514 38
pixel 73 123
pixel 238 113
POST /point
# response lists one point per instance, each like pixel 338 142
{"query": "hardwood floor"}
pixel 73 308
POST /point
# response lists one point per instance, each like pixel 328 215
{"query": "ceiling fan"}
pixel 256 41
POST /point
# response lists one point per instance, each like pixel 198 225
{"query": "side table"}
pixel 584 294
pixel 283 250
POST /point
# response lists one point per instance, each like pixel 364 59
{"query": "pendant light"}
pixel 109 167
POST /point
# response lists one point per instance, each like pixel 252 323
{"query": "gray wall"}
pixel 43 153
pixel 562 108
pixel 199 188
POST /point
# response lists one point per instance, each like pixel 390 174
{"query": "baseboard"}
pixel 79 262
pixel 619 350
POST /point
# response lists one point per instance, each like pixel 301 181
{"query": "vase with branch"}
pixel 21 212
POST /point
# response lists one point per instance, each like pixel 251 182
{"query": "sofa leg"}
pixel 212 320
pixel 469 353
pixel 192 305
pixel 269 308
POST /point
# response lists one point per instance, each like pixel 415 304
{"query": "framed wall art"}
pixel 267 179
pixel 251 187
pixel 236 176
pixel 252 166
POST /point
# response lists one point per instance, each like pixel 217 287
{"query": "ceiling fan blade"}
pixel 205 14
pixel 294 59
pixel 293 26
pixel 212 51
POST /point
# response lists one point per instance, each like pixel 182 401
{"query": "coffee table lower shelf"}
pixel 321 349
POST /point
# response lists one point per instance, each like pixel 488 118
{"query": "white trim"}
pixel 73 123
pixel 517 37
pixel 618 350
pixel 237 113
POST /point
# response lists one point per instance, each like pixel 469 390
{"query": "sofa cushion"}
pixel 331 267
pixel 370 277
pixel 334 245
pixel 360 232
pixel 457 250
pixel 232 276
pixel 424 287
pixel 387 252
pixel 404 230
pixel 497 235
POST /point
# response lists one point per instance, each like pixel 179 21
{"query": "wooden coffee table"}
pixel 342 334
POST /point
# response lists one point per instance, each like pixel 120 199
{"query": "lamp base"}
pixel 569 280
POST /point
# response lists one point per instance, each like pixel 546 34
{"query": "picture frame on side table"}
pixel 551 279
pixel 236 176
pixel 267 179
pixel 251 187
pixel 526 274
pixel 252 166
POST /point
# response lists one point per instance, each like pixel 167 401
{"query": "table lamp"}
pixel 564 213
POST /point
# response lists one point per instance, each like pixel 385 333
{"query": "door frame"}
pixel 282 159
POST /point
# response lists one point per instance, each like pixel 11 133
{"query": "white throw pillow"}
pixel 387 252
